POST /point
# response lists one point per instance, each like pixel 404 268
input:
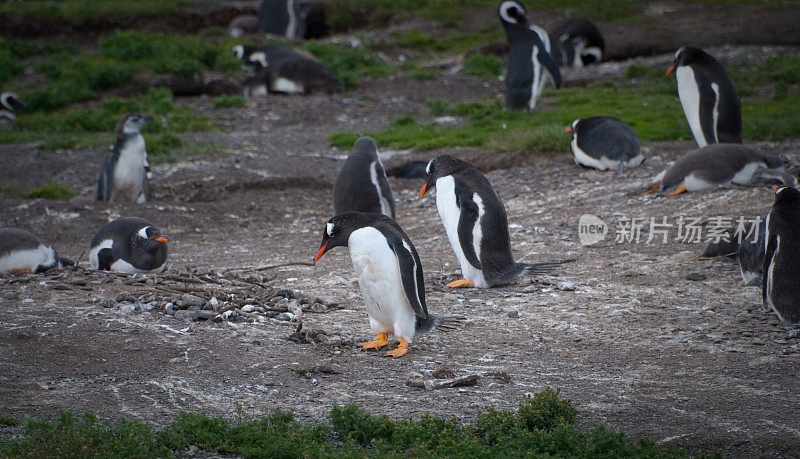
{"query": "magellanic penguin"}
pixel 708 97
pixel 604 143
pixel 781 278
pixel 126 170
pixel 22 252
pixel 719 165
pixel 242 25
pixel 9 105
pixel 129 244
pixel 476 224
pixel 576 42
pixel 285 18
pixel 361 185
pixel 280 69
pixel 389 273
pixel 529 60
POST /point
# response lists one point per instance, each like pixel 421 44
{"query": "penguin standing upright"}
pixel 129 244
pixel 476 224
pixel 576 42
pixel 604 142
pixel 781 278
pixel 529 60
pixel 9 105
pixel 361 185
pixel 21 251
pixel 126 170
pixel 389 273
pixel 708 97
pixel 285 18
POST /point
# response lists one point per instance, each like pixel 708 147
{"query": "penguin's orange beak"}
pixel 321 252
pixel 423 190
pixel 568 130
pixel 670 70
pixel 161 239
pixel 774 189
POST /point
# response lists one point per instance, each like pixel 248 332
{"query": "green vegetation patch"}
pixel 52 191
pixel 233 100
pixel 76 11
pixel 351 65
pixel 483 65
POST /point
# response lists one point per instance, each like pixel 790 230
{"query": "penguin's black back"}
pixel 781 277
pixel 607 136
pixel 564 32
pixel 716 162
pixel 122 231
pixel 14 239
pixel 353 190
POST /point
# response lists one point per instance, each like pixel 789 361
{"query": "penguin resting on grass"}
pixel 781 278
pixel 476 225
pixel 9 105
pixel 604 143
pixel 129 244
pixel 126 170
pixel 576 42
pixel 361 185
pixel 22 252
pixel 389 273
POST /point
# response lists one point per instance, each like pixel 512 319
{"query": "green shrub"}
pixel 52 191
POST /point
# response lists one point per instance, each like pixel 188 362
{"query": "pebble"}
pixel 129 308
pixel 187 301
pixel 125 296
pixel 108 303
pixel 148 306
pixel 186 315
pixel 319 307
pixel 169 309
pixel 285 316
pixel 794 333
pixel 696 276
pixel 248 308
pixel 513 314
pixel 566 286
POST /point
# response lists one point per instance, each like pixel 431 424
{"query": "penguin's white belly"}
pixel 27 259
pixel 125 267
pixel 694 183
pixel 581 157
pixel 689 94
pixel 770 276
pixel 287 86
pixel 378 274
pixel 386 209
pixel 745 176
pixel 129 171
pixel 450 214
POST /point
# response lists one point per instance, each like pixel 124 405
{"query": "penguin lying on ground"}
pixel 129 244
pixel 280 69
pixel 529 60
pixel 242 25
pixel 781 278
pixel 476 224
pixel 286 18
pixel 22 252
pixel 361 185
pixel 576 42
pixel 9 105
pixel 708 97
pixel 719 165
pixel 603 142
pixel 389 273
pixel 126 170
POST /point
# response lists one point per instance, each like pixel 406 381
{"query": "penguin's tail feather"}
pixel 448 323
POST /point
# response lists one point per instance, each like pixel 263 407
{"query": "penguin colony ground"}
pixel 386 263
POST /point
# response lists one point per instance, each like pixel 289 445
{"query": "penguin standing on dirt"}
pixel 361 185
pixel 22 252
pixel 708 97
pixel 576 42
pixel 126 170
pixel 285 18
pixel 131 245
pixel 529 60
pixel 476 224
pixel 604 143
pixel 781 278
pixel 719 165
pixel 9 105
pixel 389 273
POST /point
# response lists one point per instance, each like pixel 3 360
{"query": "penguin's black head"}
pixel 339 228
pixel 787 196
pixel 511 12
pixel 685 56
pixel 149 238
pixel 366 146
pixel 131 124
pixel 438 167
pixel 10 100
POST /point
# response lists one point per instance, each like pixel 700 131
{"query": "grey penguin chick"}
pixel 361 185
pixel 476 224
pixel 126 170
pixel 281 69
pixel 708 96
pixel 21 251
pixel 9 106
pixel 719 165
pixel 576 42
pixel 604 143
pixel 389 273
pixel 780 286
pixel 129 244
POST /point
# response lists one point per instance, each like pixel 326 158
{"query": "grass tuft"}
pixel 233 100
pixel 482 65
pixel 52 191
pixel 351 65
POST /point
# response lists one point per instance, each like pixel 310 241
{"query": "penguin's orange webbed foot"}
pixel 652 189
pixel 401 350
pixel 461 283
pixel 380 341
pixel 681 189
pixel 20 270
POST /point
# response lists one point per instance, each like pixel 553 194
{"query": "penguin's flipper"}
pixel 708 103
pixel 105 183
pixel 467 220
pixel 410 274
pixel 383 184
pixel 550 65
pixel 771 242
pixel 105 257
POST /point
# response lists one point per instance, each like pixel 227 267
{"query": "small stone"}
pixel 148 306
pixel 794 333
pixel 248 308
pixel 282 303
pixel 125 296
pixel 214 302
pixel 285 316
pixel 286 293
pixel 128 308
pixel 319 307
pixel 108 303
pixel 79 282
pixel 257 342
pixel 195 307
pixel 696 276
pixel 186 315
pixel 566 286
pixel 169 309
pixel 513 314
pixel 205 314
pixel 732 312
pixel 187 300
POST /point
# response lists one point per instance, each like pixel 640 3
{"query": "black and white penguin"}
pixel 576 42
pixel 361 185
pixel 719 165
pixel 126 170
pixel 389 273
pixel 9 105
pixel 22 252
pixel 604 143
pixel 751 257
pixel 476 224
pixel 529 60
pixel 708 97
pixel 781 278
pixel 129 244
pixel 242 25
pixel 280 69
pixel 286 18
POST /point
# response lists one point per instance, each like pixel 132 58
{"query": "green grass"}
pixel 480 65
pixel 52 191
pixel 233 100
pixel 5 420
pixel 541 426
pixel 349 64
pixel 80 10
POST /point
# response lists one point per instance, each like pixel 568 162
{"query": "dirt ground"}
pixel 642 337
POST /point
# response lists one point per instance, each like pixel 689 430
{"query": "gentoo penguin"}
pixel 285 18
pixel 21 251
pixel 361 185
pixel 129 244
pixel 126 170
pixel 719 165
pixel 751 257
pixel 476 224
pixel 9 104
pixel 708 97
pixel 280 69
pixel 576 42
pixel 781 278
pixel 529 60
pixel 389 273
pixel 604 142
pixel 241 25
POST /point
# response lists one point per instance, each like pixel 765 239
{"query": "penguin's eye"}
pixel 330 228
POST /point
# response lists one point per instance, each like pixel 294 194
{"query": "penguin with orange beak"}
pixel 131 245
pixel 389 273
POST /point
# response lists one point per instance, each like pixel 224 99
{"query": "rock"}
pixel 125 296
pixel 195 307
pixel 696 276
pixel 188 301
pixel 78 282
pixel 513 314
pixel 129 308
pixel 295 308
pixel 205 314
pixel 108 303
pixel 286 293
pixel 186 315
pixel 793 334
pixel 248 308
pixel 566 286
pixel 285 316
pixel 148 306
pixel 319 307
pixel 214 302
pixel 169 309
